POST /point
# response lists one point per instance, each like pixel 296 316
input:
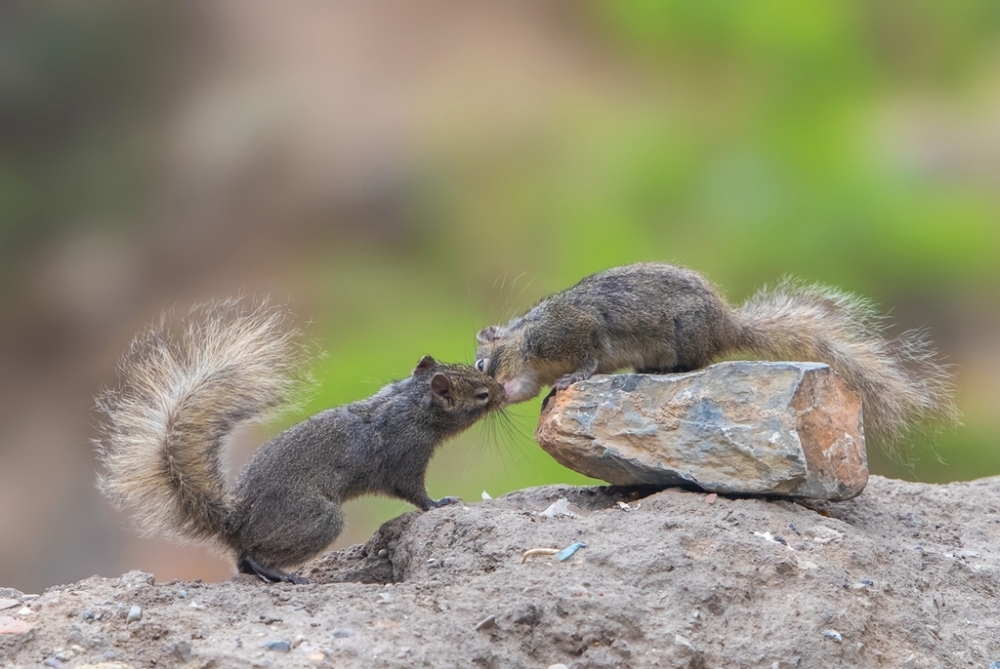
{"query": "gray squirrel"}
pixel 659 318
pixel 164 429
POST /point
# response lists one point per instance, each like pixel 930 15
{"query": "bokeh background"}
pixel 404 173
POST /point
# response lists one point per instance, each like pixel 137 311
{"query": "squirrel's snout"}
pixel 520 389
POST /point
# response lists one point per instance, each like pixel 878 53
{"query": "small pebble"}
pixel 995 664
pixel 486 623
pixel 182 594
pixel 14 626
pixel 342 632
pixel 279 646
pixel 52 662
pixel 64 655
pixel 558 666
pixel 28 598
pixel 297 641
pixel 486 496
pixel 134 614
pixel 182 649
pixel 8 603
pixel 25 611
pixel 316 657
pixel 109 655
pixel 833 634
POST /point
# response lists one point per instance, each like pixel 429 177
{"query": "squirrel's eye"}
pixel 485 395
pixel 481 364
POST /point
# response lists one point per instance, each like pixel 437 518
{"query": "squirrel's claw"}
pixel 247 565
pixel 564 382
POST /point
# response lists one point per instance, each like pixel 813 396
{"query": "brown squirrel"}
pixel 659 318
pixel 180 398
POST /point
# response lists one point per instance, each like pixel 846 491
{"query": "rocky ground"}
pixel 905 575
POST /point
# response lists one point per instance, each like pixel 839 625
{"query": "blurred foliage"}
pixel 78 84
pixel 745 139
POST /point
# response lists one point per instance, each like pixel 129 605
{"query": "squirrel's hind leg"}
pixel 247 565
pixel 287 530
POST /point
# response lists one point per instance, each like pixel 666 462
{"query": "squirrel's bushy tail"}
pixel 180 396
pixel 901 384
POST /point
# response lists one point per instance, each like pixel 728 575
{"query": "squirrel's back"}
pixel 630 312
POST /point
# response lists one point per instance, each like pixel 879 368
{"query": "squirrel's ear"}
pixel 441 387
pixel 426 362
pixel 486 335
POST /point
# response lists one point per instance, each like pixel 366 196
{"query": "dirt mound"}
pixel 904 575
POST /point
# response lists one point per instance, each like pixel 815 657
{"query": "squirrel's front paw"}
pixel 564 382
pixel 444 501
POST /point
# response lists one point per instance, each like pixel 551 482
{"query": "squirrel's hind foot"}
pixel 247 565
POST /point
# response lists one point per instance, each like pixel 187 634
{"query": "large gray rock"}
pixel 761 428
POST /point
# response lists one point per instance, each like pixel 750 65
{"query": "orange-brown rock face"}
pixel 761 428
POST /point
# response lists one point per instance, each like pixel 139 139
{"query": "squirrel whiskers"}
pixel 180 398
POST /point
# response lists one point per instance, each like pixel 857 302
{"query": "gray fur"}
pixel 180 399
pixel 660 318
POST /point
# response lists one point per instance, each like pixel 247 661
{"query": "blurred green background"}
pixel 404 173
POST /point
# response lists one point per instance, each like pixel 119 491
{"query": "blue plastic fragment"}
pixel 567 552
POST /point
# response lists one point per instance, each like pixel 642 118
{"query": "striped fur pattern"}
pixel 902 385
pixel 179 398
